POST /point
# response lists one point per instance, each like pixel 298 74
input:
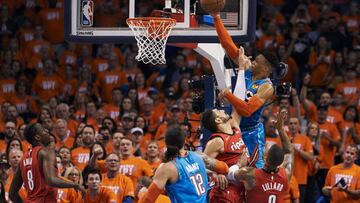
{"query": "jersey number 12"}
pixel 198 183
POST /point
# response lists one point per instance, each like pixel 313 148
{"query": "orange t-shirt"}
pixel 24 104
pixel 270 42
pixel 293 190
pixel 134 168
pixel 345 126
pixel 270 141
pixel 7 87
pixel 68 142
pixel 105 196
pixel 69 195
pixel 112 110
pixel 301 166
pixel 80 157
pixel 320 69
pixel 350 91
pixel 351 177
pixel 48 86
pixel 108 80
pixel 68 57
pixel 121 186
pixel 328 150
pixel 52 20
pixel 352 23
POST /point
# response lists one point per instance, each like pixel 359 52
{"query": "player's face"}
pixel 259 64
pixel 112 163
pixel 44 135
pixel 222 115
pixel 350 155
pixel 93 181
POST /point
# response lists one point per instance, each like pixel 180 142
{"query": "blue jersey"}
pixel 251 89
pixel 251 127
pixel 192 185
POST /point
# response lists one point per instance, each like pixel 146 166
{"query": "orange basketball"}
pixel 211 6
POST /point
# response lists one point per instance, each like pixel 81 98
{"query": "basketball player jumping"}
pixel 270 183
pixel 259 90
pixel 37 170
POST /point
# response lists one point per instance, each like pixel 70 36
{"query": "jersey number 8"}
pixel 30 179
pixel 198 183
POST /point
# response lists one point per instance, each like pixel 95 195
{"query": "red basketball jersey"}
pixel 234 146
pixel 269 187
pixel 34 181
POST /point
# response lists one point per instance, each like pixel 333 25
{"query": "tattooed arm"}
pixel 214 164
pixel 247 176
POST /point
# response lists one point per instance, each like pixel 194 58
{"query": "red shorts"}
pixel 47 199
pixel 231 194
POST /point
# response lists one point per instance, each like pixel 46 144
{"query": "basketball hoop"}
pixel 151 34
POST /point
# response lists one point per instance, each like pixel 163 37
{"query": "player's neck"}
pixel 260 76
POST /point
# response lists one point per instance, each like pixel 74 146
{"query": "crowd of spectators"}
pixel 102 106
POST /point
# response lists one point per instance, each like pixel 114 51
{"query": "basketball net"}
pixel 151 34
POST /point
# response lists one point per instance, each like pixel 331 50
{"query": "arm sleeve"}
pixel 225 39
pixel 151 195
pixel 244 108
pixel 240 86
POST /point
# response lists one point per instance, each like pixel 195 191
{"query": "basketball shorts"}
pixel 232 194
pixel 254 139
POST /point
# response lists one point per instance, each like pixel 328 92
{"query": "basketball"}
pixel 211 6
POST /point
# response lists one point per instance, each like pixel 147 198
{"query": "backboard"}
pixel 104 21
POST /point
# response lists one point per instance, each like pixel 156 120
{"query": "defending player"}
pixel 37 170
pixel 225 144
pixel 183 174
pixel 270 183
pixel 259 90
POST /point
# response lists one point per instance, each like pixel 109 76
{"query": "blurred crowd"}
pixel 97 97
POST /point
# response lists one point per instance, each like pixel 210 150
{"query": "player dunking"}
pixel 37 170
pixel 270 183
pixel 183 174
pixel 259 90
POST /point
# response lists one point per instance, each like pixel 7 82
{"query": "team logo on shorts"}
pixel 255 86
pixel 87 13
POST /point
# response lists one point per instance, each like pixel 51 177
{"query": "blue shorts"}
pixel 254 139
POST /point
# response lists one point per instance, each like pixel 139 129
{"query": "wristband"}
pixel 231 174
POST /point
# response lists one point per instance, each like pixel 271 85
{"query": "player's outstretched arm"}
pixel 246 109
pixel 15 187
pixel 47 157
pixel 214 164
pixel 224 37
pixel 161 177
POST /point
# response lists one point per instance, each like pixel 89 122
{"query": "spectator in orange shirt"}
pixel 293 191
pixel 65 156
pixel 350 88
pixel 343 180
pixel 130 165
pixel 303 152
pixel 333 116
pixel 127 123
pixel 62 112
pixel 116 141
pixel 67 195
pixel 7 82
pixel 111 78
pixel 351 127
pixel 104 137
pixel 95 192
pixel 352 18
pixel 127 106
pixel 14 143
pixel 112 108
pixel 64 136
pixel 34 46
pixel 81 155
pixel 137 135
pixel 47 84
pixel 329 142
pixel 271 38
pixel 121 185
pixel 152 155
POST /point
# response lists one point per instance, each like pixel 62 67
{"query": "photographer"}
pixel 342 182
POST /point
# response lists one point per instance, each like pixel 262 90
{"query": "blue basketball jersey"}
pixel 251 89
pixel 192 185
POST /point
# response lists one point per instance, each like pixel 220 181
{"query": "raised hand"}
pixel 223 92
pixel 281 117
pixel 306 80
pixel 243 60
